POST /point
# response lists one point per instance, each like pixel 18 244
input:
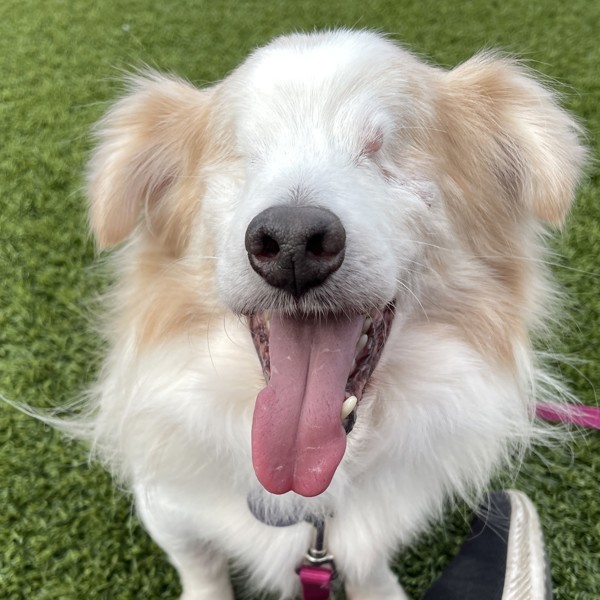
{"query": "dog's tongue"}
pixel 297 436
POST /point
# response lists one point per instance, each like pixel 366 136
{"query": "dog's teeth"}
pixel 348 406
pixel 367 325
pixel 353 367
pixel 267 316
pixel 362 342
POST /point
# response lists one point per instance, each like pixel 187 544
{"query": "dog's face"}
pixel 325 127
pixel 344 189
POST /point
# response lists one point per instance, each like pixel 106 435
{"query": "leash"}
pixel 584 416
pixel 317 571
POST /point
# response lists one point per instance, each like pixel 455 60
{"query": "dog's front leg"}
pixel 202 569
pixel 204 576
pixel 361 557
pixel 381 584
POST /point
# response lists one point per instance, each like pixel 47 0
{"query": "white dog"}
pixel 332 272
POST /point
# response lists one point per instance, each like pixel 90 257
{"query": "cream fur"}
pixel 444 217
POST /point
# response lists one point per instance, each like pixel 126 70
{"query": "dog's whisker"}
pixel 412 293
pixel 506 256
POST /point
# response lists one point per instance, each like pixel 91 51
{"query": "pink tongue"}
pixel 297 436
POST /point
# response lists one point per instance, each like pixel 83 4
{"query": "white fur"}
pixel 297 123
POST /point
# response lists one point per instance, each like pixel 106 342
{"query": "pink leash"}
pixel 318 570
pixel 584 416
pixel 316 582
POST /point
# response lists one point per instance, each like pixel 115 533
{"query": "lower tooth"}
pixel 348 406
pixel 362 342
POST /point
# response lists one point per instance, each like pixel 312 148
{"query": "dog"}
pixel 329 273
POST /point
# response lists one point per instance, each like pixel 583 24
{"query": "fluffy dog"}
pixel 332 271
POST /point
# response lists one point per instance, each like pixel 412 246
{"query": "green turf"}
pixel 65 532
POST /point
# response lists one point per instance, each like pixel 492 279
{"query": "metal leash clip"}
pixel 317 571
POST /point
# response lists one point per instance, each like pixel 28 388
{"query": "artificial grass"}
pixel 65 532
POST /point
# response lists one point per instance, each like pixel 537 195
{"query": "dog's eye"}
pixel 373 143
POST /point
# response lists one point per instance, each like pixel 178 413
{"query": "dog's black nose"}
pixel 295 248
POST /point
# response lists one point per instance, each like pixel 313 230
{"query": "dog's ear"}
pixel 502 125
pixel 148 143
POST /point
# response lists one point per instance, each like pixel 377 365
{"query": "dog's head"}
pixel 343 188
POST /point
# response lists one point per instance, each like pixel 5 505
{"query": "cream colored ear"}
pixel 506 125
pixel 145 143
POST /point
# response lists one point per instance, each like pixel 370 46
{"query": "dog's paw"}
pixel 397 594
pixel 386 588
pixel 224 593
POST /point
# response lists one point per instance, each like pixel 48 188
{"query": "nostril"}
pixel 261 244
pixel 314 245
pixel 269 248
pixel 327 244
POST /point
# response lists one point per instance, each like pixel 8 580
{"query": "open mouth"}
pixel 316 371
